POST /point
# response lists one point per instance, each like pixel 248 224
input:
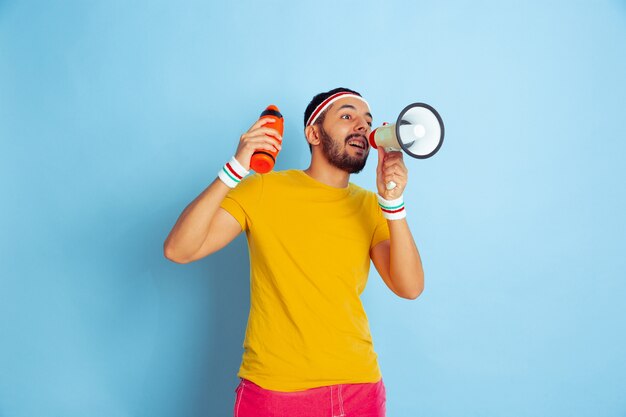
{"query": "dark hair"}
pixel 318 99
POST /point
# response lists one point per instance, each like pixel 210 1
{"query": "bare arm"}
pixel 397 260
pixel 204 227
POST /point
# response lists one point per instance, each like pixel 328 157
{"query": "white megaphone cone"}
pixel 418 132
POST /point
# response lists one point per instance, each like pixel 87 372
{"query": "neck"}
pixel 326 173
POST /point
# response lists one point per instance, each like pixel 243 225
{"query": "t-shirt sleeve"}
pixel 381 230
pixel 241 202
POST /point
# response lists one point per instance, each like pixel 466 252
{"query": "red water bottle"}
pixel 263 161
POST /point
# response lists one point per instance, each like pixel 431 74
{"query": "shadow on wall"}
pixel 134 333
pixel 230 305
pixel 217 290
pixel 202 317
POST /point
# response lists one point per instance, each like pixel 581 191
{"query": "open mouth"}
pixel 358 142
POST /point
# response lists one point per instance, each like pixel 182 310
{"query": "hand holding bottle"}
pixel 264 137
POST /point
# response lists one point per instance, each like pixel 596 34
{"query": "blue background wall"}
pixel 115 115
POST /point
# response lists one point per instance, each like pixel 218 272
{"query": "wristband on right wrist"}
pixel 232 173
pixel 392 209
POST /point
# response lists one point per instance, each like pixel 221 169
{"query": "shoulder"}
pixel 250 182
pixel 285 177
pixel 366 199
pixel 361 192
pixel 257 184
pixel 285 174
pixel 250 188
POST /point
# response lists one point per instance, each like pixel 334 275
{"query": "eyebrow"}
pixel 350 106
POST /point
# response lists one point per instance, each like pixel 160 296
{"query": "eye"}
pixel 345 116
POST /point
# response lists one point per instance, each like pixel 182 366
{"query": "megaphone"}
pixel 418 132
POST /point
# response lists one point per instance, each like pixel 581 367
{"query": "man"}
pixel 311 234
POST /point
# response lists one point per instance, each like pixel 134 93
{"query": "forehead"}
pixel 350 103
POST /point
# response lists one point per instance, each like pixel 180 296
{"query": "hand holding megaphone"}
pixel 391 169
pixel 418 132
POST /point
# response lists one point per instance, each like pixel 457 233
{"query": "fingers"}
pixel 256 139
pixel 257 130
pixel 261 142
pixel 395 168
pixel 261 122
pixel 398 179
pixel 262 131
pixel 391 168
pixel 261 138
pixel 393 157
pixel 394 163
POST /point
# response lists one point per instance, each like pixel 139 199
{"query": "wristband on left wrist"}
pixel 392 209
pixel 232 173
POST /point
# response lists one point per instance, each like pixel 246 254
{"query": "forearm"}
pixel 405 264
pixel 192 227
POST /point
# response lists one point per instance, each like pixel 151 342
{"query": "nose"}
pixel 362 125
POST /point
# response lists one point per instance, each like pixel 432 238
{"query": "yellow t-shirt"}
pixel 309 258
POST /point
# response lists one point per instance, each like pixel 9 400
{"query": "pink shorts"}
pixel 346 400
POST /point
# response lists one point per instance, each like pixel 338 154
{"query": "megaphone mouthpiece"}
pixel 372 139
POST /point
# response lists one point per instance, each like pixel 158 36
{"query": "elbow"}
pixel 169 254
pixel 414 291
pixel 408 283
pixel 413 294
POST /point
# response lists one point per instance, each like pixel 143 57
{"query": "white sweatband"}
pixel 330 100
pixel 392 209
pixel 232 173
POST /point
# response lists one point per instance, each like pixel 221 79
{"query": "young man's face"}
pixel 344 134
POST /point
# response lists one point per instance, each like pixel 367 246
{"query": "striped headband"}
pixel 330 100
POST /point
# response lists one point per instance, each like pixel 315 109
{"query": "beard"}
pixel 341 159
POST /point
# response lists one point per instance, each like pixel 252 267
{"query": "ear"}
pixel 312 135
